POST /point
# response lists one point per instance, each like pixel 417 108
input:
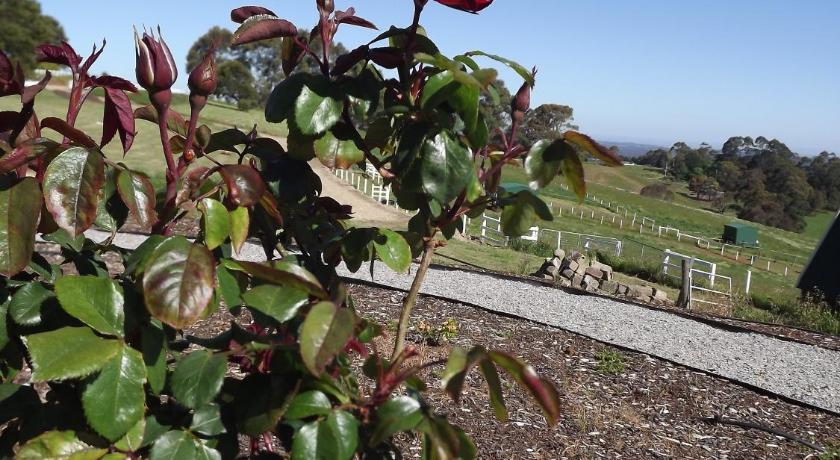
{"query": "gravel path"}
pixel 802 372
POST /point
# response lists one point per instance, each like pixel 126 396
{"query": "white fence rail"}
pixel 491 231
pixel 673 260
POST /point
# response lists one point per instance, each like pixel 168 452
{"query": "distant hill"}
pixel 630 149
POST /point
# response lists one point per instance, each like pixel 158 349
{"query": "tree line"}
pixel 761 180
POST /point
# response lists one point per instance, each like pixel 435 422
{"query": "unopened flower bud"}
pixel 156 70
pixel 326 6
pixel 203 78
pixel 522 101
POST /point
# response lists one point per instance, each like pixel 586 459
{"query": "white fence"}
pixel 491 231
pixel 370 183
pixel 582 240
pixel 673 260
pixel 711 296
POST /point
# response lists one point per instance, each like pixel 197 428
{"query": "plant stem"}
pixel 411 299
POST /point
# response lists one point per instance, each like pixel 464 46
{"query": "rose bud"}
pixel 326 6
pixel 522 101
pixel 471 6
pixel 156 70
pixel 203 78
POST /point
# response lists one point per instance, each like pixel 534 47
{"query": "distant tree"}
pixel 236 84
pixel 259 58
pixel 547 121
pixel 496 112
pixel 824 176
pixel 658 158
pixel 23 27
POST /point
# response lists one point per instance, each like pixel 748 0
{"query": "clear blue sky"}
pixel 652 71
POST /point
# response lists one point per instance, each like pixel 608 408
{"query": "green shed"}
pixel 740 234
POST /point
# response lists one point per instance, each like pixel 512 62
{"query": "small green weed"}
pixel 610 362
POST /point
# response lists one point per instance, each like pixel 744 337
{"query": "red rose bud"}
pixel 156 70
pixel 471 6
pixel 202 80
pixel 326 6
pixel 522 101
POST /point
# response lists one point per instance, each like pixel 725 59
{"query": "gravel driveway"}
pixel 802 372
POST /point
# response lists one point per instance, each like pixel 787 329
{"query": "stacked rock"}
pixel 573 271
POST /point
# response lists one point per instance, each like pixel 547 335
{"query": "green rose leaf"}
pixel 445 168
pixel 520 212
pixel 138 194
pixel 71 187
pixel 399 414
pixel 97 302
pixel 570 166
pixel 335 153
pixel 68 352
pixel 281 303
pixel 207 420
pixel 20 210
pixel 154 355
pixel 281 102
pixel 179 281
pixel 541 168
pixel 58 445
pixel 198 378
pixel 25 306
pixel 541 389
pixel 323 334
pixel 282 273
pixel 308 404
pixel 114 401
pixel 438 88
pixel 393 250
pixel 318 107
pixel 588 145
pixel 175 445
pixel 240 221
pixel 215 222
pixel 333 438
pixel 133 439
pixel 260 401
pixel 518 68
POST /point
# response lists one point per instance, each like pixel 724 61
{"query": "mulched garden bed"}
pixel 614 403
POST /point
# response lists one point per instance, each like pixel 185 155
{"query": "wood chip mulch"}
pixel 648 408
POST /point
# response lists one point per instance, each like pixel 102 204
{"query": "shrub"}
pixel 658 190
pixel 117 375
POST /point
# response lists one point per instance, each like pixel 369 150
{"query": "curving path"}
pixel 801 372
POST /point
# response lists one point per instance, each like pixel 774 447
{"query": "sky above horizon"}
pixel 655 72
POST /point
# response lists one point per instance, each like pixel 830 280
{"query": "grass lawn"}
pixel 817 225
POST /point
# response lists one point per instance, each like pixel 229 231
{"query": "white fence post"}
pixel 749 279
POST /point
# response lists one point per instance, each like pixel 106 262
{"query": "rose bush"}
pixel 96 363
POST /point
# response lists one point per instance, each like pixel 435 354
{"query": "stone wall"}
pixel 576 271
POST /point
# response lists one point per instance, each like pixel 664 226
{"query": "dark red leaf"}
pixel 242 13
pixel 349 17
pixel 63 54
pixel 118 118
pixel 389 58
pixel 29 92
pixel 60 126
pixel 259 28
pixel 11 76
pixel 108 81
pixel 588 145
pixel 94 55
pixel 346 62
pixel 25 153
pixel 244 184
pixel 471 6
